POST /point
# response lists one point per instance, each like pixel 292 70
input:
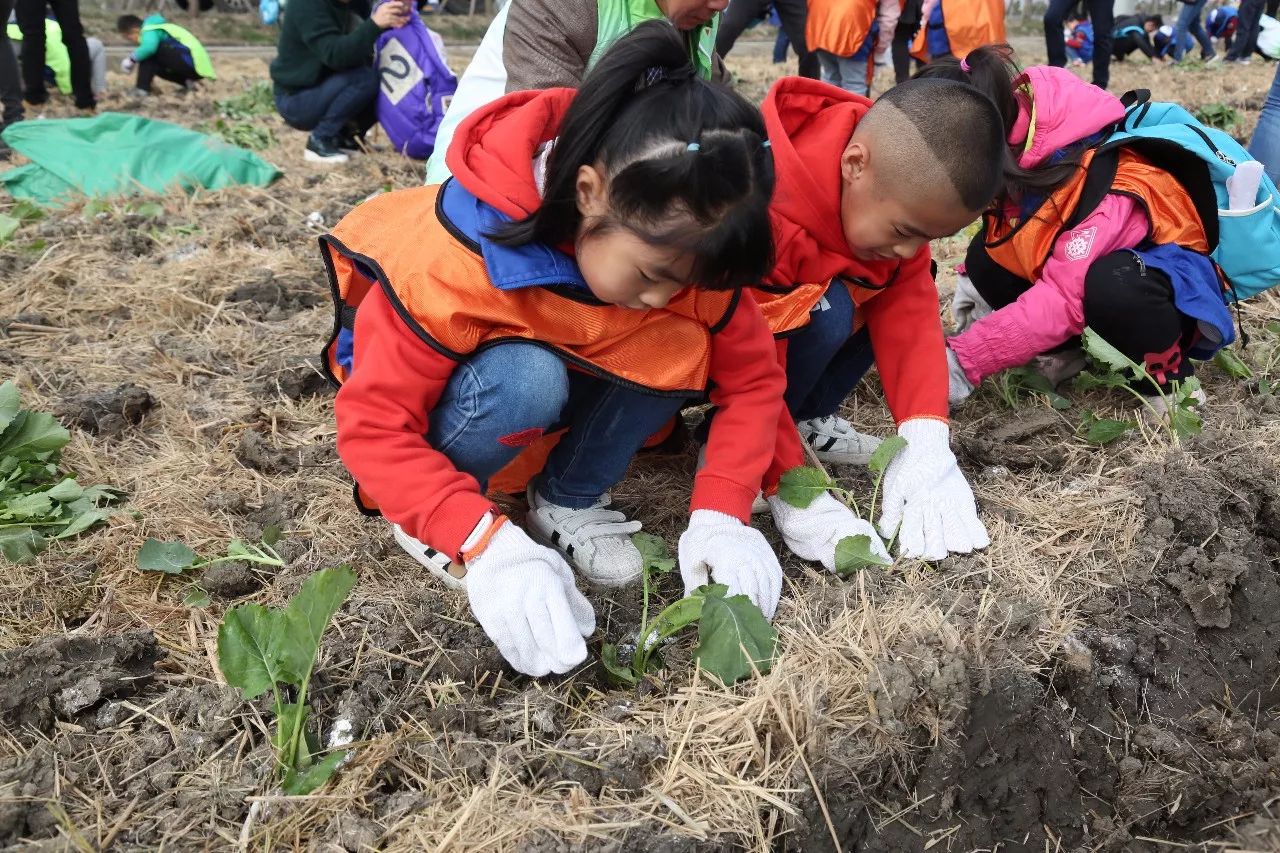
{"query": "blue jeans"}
pixel 1265 145
pixel 824 361
pixel 844 71
pixel 504 397
pixel 325 109
pixel 1190 21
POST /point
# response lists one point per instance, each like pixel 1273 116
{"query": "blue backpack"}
pixel 1245 244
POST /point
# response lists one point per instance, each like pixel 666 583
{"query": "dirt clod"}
pixel 65 675
pixel 108 412
pixel 230 580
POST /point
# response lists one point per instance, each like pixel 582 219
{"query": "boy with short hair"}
pixel 861 190
pixel 164 50
pixel 1134 32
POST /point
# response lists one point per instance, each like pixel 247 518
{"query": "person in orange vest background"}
pixel 581 274
pixel 1060 251
pixel 955 27
pixel 846 35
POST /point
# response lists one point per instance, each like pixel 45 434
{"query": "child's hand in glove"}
pixel 958 385
pixel 718 548
pixel 524 597
pixel 926 493
pixel 813 533
pixel 127 64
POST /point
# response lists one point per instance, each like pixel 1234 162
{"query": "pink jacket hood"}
pixel 1067 109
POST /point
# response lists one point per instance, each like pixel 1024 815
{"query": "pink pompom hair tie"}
pixel 964 65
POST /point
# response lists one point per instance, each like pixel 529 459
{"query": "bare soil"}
pixel 1103 678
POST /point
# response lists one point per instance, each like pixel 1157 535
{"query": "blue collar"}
pixel 509 267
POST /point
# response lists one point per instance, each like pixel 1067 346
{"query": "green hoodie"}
pixel 319 37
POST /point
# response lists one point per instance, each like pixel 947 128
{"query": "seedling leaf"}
pixel 172 558
pixel 734 638
pixel 653 550
pixel 8 226
pixel 9 403
pixel 196 597
pixel 885 453
pixel 20 544
pixel 854 553
pixel 308 614
pixel 801 486
pixel 297 784
pixel 1107 355
pixel 1232 365
pixel 248 643
pixel 271 535
pixel 1104 430
pixel 615 673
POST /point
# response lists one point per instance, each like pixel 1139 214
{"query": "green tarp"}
pixel 119 154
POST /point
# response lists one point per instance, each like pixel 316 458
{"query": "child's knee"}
pixel 528 379
pixel 832 317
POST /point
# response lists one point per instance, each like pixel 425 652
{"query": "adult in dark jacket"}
pixel 323 72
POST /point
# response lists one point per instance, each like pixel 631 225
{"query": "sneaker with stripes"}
pixel 596 541
pixel 836 442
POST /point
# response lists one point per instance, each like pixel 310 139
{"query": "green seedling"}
pixel 734 638
pixel 261 649
pixel 39 503
pixel 174 558
pixel 21 213
pixel 1222 116
pixel 1119 371
pixel 801 486
pixel 1231 364
pixel 1103 430
pixel 254 102
pixel 1013 385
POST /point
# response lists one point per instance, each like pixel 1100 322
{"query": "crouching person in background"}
pixel 163 50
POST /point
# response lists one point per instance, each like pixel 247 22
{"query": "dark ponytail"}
pixel 992 70
pixel 687 162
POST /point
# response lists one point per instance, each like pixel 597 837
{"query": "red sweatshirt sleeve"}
pixel 747 390
pixel 906 335
pixel 382 420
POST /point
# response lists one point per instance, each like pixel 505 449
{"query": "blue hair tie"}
pixel 766 144
pixel 693 146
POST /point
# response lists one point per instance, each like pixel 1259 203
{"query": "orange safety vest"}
pixel 438 283
pixel 1023 247
pixel 970 24
pixel 839 26
pixel 787 310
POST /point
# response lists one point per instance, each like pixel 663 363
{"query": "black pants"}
pixel 1121 48
pixel 185 5
pixel 903 35
pixel 793 14
pixel 10 77
pixel 31 22
pixel 1246 38
pixel 1126 302
pixel 1102 15
pixel 169 62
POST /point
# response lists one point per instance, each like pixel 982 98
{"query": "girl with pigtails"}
pixel 576 281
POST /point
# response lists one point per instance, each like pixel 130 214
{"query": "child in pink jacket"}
pixel 1055 256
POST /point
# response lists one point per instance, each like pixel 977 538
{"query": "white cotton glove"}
pixel 925 493
pixel 127 64
pixel 524 598
pixel 967 305
pixel 958 385
pixel 718 548
pixel 813 533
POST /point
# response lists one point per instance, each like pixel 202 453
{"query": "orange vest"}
pixel 839 26
pixel 1023 248
pixel 787 311
pixel 438 282
pixel 970 24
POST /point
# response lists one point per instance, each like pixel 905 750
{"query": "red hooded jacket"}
pixel 383 406
pixel 810 124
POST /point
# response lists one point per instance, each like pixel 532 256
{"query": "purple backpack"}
pixel 416 86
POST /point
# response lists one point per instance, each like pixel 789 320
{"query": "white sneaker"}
pixel 432 560
pixel 835 441
pixel 759 506
pixel 596 540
